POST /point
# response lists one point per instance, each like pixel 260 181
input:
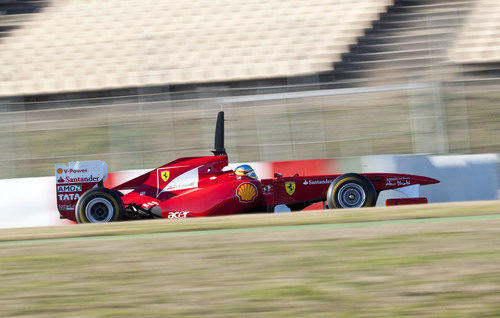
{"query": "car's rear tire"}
pixel 99 205
pixel 351 190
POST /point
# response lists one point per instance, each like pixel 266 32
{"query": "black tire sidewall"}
pixel 336 185
pixel 109 195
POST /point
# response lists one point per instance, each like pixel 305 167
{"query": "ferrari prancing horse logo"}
pixel 290 187
pixel 165 175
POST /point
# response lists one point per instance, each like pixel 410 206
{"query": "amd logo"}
pixel 70 188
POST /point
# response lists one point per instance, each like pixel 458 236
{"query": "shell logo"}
pixel 59 170
pixel 246 192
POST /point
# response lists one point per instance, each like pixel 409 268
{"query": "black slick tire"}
pixel 351 190
pixel 99 205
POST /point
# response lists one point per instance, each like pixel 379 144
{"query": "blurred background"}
pixel 138 83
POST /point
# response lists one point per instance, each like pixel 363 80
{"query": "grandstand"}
pixel 78 46
pixel 478 45
pixel 408 43
pixel 479 41
pixel 14 12
pixel 95 45
pixel 98 46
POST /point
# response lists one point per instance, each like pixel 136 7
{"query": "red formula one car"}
pixel 203 186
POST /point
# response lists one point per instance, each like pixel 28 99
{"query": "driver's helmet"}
pixel 245 170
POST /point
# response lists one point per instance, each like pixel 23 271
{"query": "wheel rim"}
pixel 351 195
pixel 99 210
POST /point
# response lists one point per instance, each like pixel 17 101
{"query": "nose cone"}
pixel 427 180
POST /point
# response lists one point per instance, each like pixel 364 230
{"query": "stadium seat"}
pixel 479 41
pixel 183 42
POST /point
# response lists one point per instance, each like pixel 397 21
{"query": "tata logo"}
pixel 290 187
pixel 165 175
pixel 68 196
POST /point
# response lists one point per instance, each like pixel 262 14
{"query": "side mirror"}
pixel 278 175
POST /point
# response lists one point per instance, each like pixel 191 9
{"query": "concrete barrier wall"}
pixel 32 201
pixel 463 177
pixel 28 202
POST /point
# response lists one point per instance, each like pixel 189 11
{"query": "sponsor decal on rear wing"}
pixel 74 179
pixel 82 172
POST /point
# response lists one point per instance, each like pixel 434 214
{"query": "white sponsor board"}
pixel 28 202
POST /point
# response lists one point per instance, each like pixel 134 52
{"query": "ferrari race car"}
pixel 204 186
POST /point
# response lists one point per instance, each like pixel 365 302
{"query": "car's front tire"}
pixel 351 190
pixel 99 205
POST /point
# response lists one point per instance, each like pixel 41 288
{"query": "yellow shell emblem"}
pixel 246 192
pixel 165 175
pixel 290 187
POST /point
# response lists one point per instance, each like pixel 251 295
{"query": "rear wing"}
pixel 74 179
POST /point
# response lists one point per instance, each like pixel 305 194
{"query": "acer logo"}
pixel 178 215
